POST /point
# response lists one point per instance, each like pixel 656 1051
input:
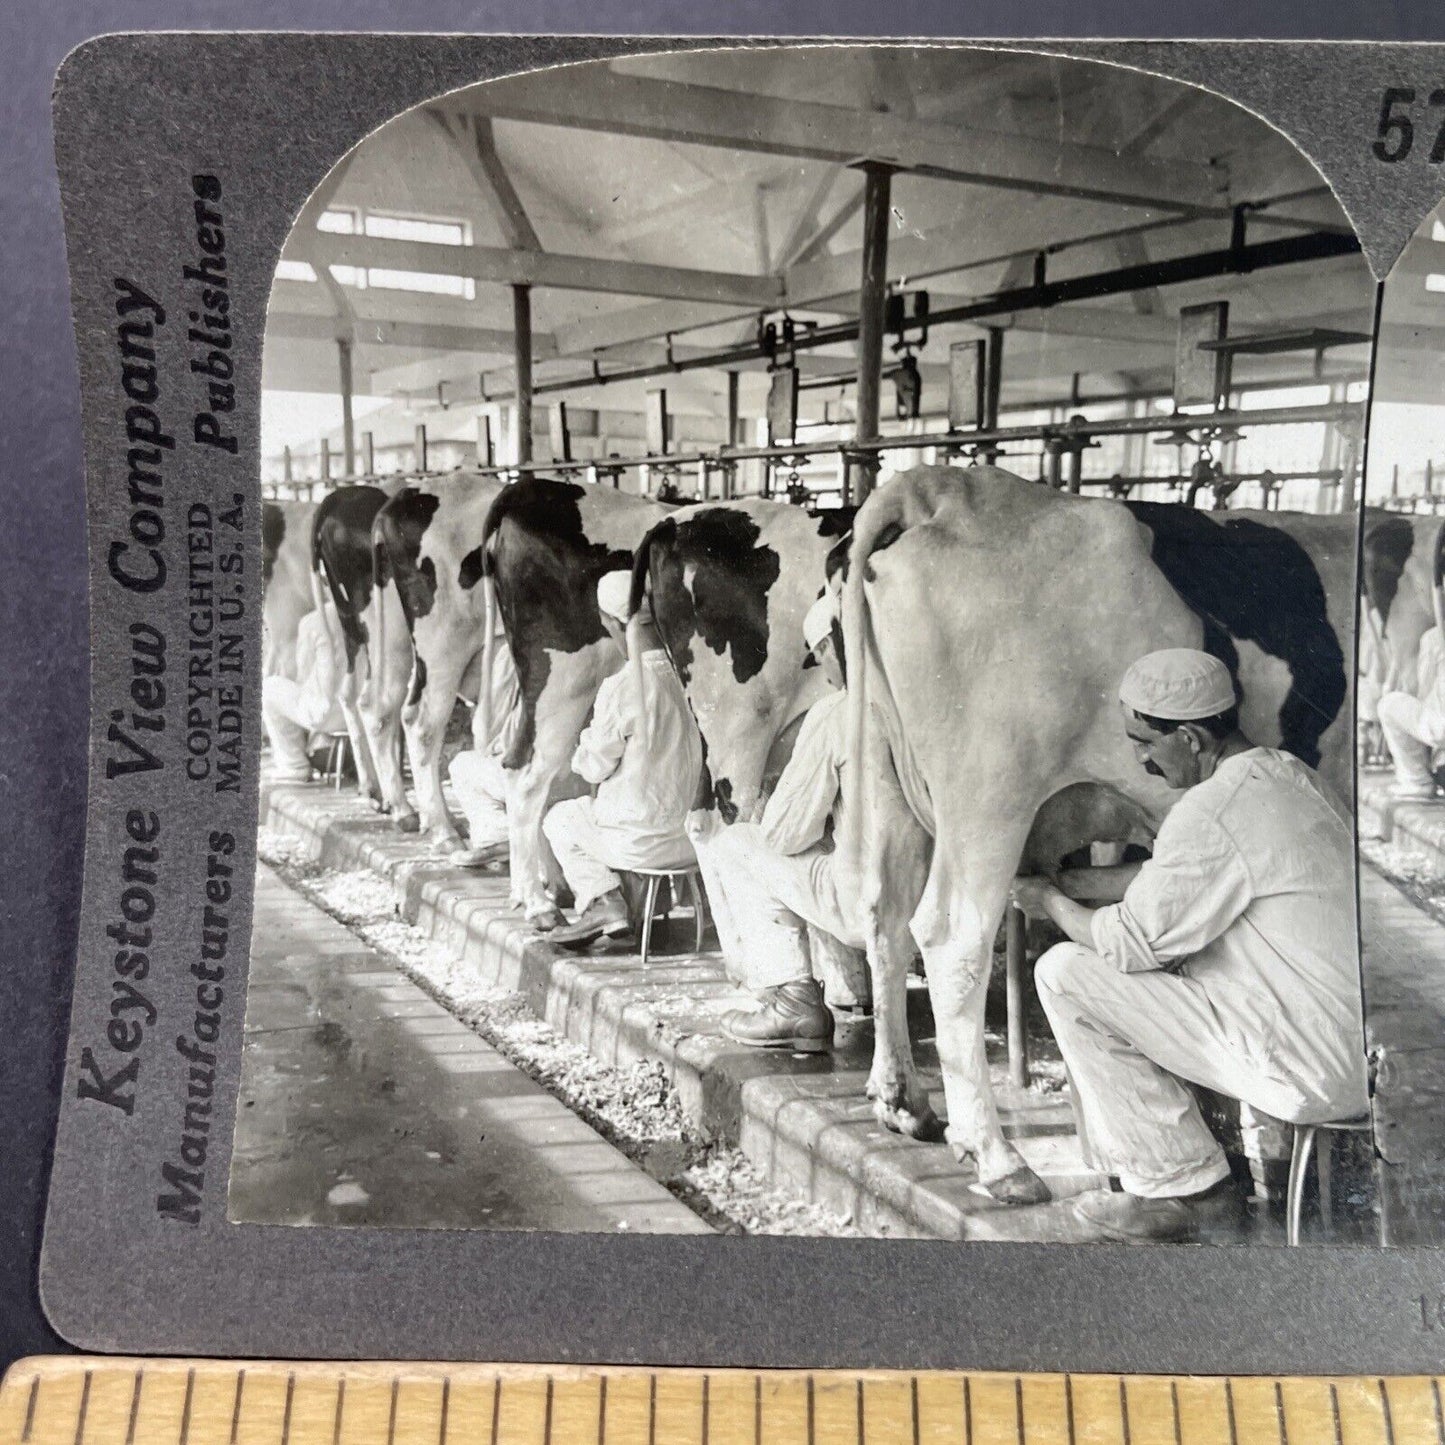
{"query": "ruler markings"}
pixel 88 1405
pixel 134 1407
pixel 236 1405
pixel 84 1409
pixel 30 1408
pixel 186 1407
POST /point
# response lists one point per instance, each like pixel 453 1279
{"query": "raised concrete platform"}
pixel 803 1120
pixel 1414 825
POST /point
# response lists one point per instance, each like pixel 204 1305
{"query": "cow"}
pixel 426 544
pixel 545 545
pixel 343 564
pixel 728 584
pixel 1403 568
pixel 987 622
pixel 285 582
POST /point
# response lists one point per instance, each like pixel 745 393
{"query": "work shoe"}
pixel 792 1016
pixel 606 915
pixel 1125 1218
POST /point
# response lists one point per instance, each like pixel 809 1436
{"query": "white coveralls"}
pixel 781 874
pixel 1230 962
pixel 293 709
pixel 1414 725
pixel 477 775
pixel 645 766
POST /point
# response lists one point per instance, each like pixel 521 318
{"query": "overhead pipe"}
pixel 1234 260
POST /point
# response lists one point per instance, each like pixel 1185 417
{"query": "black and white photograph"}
pixel 810 668
pixel 1401 731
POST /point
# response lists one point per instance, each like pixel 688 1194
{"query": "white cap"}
pixel 818 620
pixel 614 592
pixel 1178 684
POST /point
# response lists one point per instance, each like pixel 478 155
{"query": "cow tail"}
pixel 1437 580
pixel 379 573
pixel 637 600
pixel 321 583
pixel 483 730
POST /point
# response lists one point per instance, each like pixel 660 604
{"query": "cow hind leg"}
pixel 381 718
pixel 425 722
pixel 892 884
pixel 367 783
pixel 955 926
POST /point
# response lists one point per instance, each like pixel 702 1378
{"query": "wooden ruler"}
pixel 111 1401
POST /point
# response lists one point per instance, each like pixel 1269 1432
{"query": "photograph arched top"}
pixel 664 211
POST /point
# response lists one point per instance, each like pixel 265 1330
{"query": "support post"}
pixel 325 459
pixel 288 476
pixel 522 346
pixel 486 454
pixel 992 377
pixel 871 297
pixel 420 446
pixel 348 421
pixel 1015 948
pixel 732 436
pixel 368 454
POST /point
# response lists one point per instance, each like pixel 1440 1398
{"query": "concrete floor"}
pixel 364 1102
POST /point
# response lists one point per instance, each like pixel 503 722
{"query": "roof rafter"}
pixel 708 116
pixel 543 268
pixel 472 138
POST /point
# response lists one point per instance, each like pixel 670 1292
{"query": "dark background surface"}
pixel 43 630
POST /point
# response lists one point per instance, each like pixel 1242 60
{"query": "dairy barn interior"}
pixel 792 273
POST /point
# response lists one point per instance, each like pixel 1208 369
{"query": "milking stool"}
pixel 690 875
pixel 1304 1145
pixel 336 756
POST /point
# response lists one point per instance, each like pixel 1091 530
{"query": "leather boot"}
pixel 605 915
pixel 1124 1218
pixel 793 1016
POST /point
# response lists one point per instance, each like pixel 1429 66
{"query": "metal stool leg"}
pixel 1014 963
pixel 1299 1166
pixel 1324 1163
pixel 649 906
pixel 699 915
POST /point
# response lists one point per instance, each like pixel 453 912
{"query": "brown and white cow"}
pixel 427 545
pixel 987 622
pixel 546 544
pixel 371 693
pixel 285 582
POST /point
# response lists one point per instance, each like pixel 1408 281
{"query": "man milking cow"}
pixel 1229 962
pixel 785 874
pixel 295 708
pixel 642 755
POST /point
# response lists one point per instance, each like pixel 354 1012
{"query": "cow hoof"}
pixel 444 845
pixel 921 1123
pixel 1023 1186
pixel 408 823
